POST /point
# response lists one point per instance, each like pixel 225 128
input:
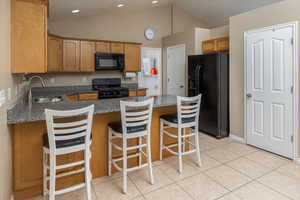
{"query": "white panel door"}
pixel 269 109
pixel 176 70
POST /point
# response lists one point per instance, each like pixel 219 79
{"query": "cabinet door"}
pixel 209 46
pixel 117 47
pixel 87 56
pixel 132 58
pixel 102 47
pixel 54 54
pixel 29 37
pixel 222 44
pixel 71 56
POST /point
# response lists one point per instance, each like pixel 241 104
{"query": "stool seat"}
pixel 117 127
pixel 173 118
pixel 64 143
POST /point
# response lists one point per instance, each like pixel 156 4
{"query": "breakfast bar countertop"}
pixel 22 112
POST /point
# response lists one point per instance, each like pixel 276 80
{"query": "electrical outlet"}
pixel 84 79
pixel 9 94
pixel 2 97
pixel 52 80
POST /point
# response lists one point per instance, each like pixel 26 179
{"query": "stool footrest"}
pixel 70 189
pixel 68 173
pixel 73 164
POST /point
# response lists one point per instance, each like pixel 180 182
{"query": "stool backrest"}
pixel 188 107
pixel 77 127
pixel 135 114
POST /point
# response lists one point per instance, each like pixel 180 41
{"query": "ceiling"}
pixel 211 12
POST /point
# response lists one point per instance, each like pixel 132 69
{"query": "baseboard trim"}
pixel 297 161
pixel 237 138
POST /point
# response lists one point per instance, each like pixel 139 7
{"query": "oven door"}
pixel 108 61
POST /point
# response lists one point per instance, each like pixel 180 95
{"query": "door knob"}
pixel 181 86
pixel 248 95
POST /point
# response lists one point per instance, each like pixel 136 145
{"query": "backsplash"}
pixel 75 79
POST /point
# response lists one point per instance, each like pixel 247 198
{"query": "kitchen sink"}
pixel 48 99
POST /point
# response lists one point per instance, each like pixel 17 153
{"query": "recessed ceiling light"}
pixel 154 2
pixel 120 5
pixel 75 11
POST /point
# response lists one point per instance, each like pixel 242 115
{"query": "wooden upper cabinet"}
pixel 103 47
pixel 71 56
pixel 87 56
pixel 117 47
pixel 218 44
pixel 29 37
pixel 209 46
pixel 132 58
pixel 223 44
pixel 55 54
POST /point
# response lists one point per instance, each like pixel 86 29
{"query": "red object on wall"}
pixel 153 71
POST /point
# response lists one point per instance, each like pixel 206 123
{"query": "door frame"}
pixel 185 66
pixel 294 26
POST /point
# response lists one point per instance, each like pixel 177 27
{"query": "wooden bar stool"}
pixel 66 138
pixel 187 117
pixel 135 123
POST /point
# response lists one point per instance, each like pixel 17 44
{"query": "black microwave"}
pixel 109 61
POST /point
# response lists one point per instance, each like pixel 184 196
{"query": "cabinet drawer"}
pixel 88 96
pixel 141 93
pixel 132 93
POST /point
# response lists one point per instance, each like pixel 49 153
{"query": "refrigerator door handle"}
pixel 197 79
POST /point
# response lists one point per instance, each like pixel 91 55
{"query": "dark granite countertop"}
pixel 22 112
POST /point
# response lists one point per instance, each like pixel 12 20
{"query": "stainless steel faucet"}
pixel 30 80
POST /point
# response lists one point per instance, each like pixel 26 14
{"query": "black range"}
pixel 109 88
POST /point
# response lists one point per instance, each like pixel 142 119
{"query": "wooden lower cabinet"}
pixel 87 56
pixel 141 93
pixel 84 96
pixel 71 56
pixel 137 93
pixel 88 96
pixel 27 152
pixel 132 93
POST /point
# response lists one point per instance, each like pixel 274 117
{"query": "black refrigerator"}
pixel 209 75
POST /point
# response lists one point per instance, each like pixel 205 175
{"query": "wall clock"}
pixel 149 34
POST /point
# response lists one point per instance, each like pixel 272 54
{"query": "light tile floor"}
pixel 230 171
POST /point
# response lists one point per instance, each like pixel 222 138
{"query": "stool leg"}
pixel 109 152
pixel 87 173
pixel 179 149
pixel 124 165
pixel 183 140
pixel 198 148
pixel 44 173
pixel 140 151
pixel 161 146
pixel 150 160
pixel 52 181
